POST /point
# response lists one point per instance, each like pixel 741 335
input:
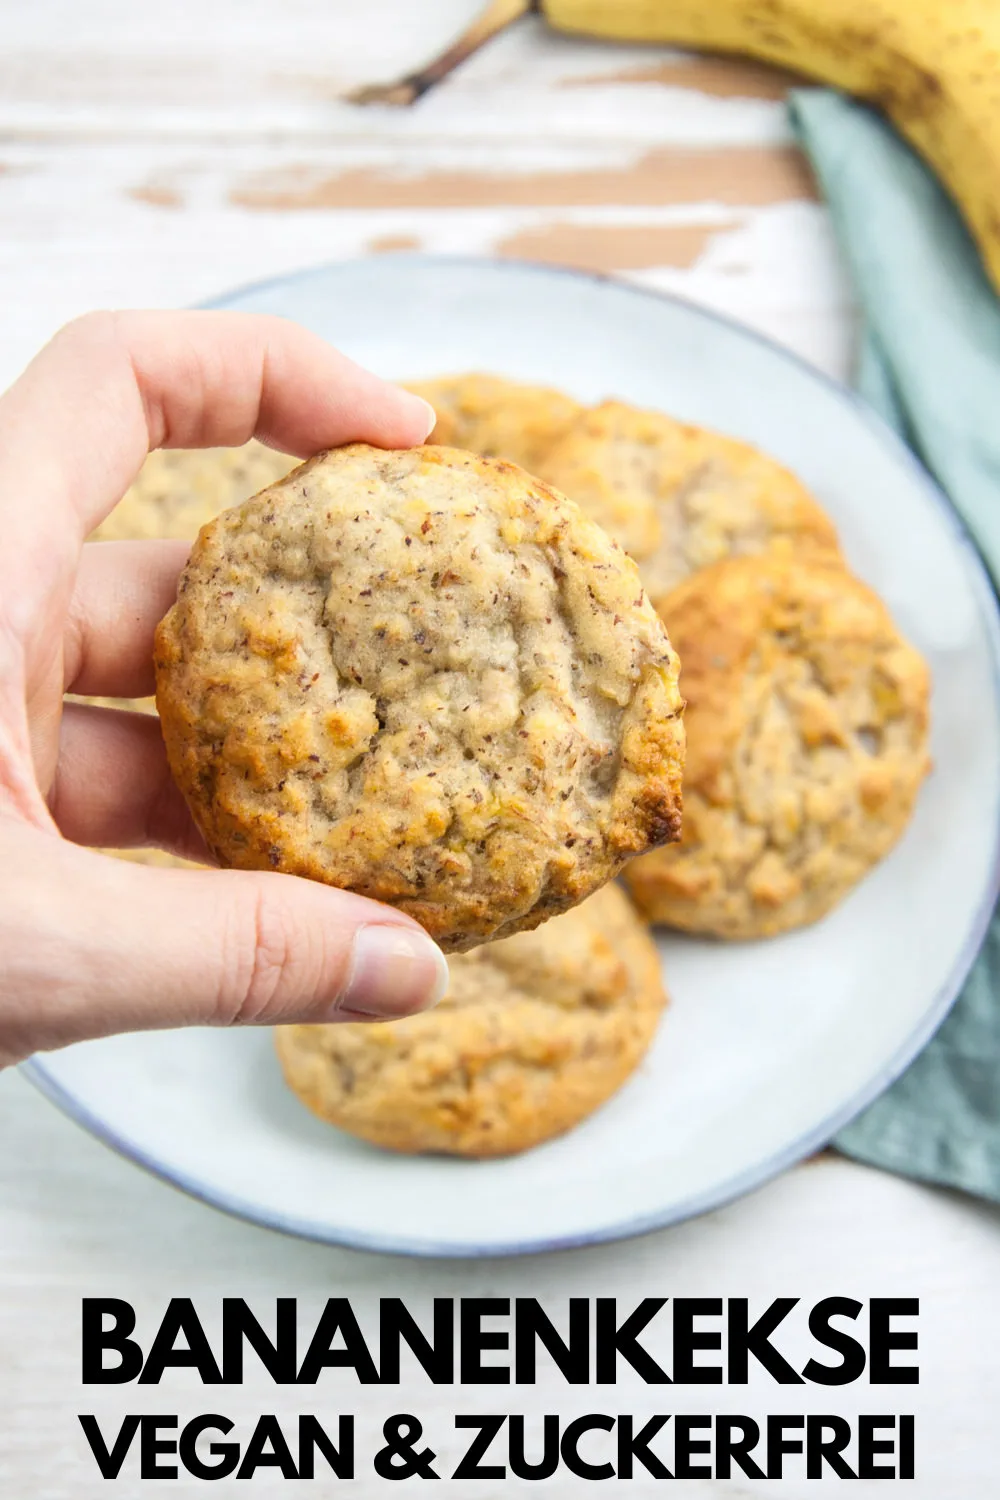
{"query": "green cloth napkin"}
pixel 930 363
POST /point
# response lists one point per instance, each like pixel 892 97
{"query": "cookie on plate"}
pixel 679 497
pixel 807 729
pixel 426 677
pixel 176 492
pixel 534 1034
pixel 497 418
pixel 179 489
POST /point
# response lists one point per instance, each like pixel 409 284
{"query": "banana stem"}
pixel 497 16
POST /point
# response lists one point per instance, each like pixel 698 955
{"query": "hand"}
pixel 91 945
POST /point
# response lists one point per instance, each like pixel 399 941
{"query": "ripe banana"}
pixel 932 65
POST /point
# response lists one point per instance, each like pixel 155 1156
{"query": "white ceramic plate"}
pixel 768 1048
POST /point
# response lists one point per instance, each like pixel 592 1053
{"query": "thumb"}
pixel 90 946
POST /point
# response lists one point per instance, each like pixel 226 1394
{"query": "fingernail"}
pixel 431 415
pixel 395 971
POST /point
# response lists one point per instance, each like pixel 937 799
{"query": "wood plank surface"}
pixel 140 165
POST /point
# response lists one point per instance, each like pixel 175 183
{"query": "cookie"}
pixel 679 497
pixel 497 418
pixel 807 728
pixel 178 490
pixel 426 677
pixel 534 1034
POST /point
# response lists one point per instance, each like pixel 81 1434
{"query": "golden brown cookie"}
pixel 497 418
pixel 807 725
pixel 678 497
pixel 179 489
pixel 426 677
pixel 534 1034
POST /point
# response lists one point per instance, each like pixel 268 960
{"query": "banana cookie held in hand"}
pixel 534 1033
pixel 807 728
pixel 425 677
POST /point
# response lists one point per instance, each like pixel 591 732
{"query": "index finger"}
pixel 75 428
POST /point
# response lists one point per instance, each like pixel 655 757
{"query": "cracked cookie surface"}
pixel 497 418
pixel 678 497
pixel 807 730
pixel 535 1032
pixel 425 677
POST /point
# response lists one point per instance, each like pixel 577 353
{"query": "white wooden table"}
pixel 154 155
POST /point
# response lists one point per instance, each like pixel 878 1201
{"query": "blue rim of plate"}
pixel 35 1070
